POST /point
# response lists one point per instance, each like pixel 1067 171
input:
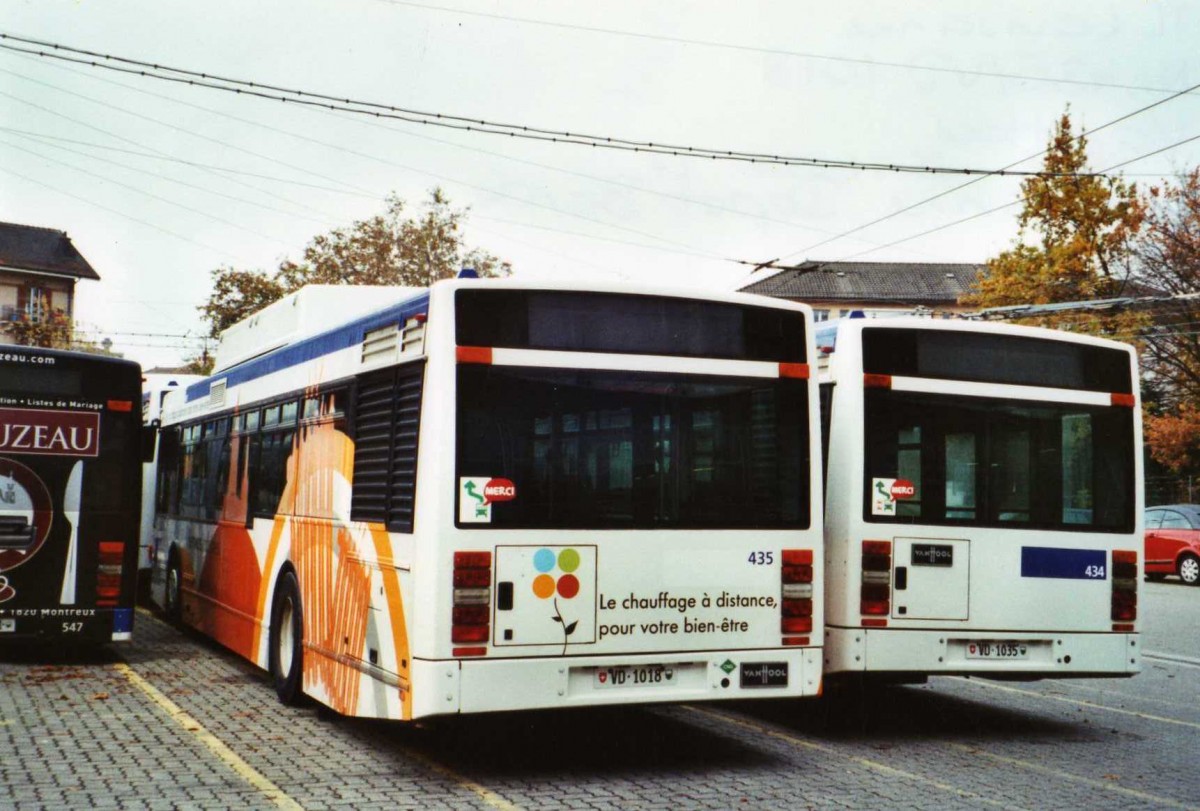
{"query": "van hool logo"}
pixel 25 514
pixel 49 433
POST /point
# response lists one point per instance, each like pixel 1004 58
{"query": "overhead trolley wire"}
pixel 378 110
pixel 987 74
pixel 961 186
pixel 1010 204
pixel 691 250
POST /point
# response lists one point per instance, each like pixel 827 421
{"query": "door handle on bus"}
pixel 901 578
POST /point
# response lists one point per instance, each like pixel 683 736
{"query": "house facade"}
pixel 39 268
pixel 835 289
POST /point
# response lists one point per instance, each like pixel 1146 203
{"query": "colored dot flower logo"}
pixel 546 584
pixel 556 578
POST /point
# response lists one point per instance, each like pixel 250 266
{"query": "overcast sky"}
pixel 956 84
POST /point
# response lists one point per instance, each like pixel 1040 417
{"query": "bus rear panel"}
pixel 983 502
pixel 497 496
pixel 69 496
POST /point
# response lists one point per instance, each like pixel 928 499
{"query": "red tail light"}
pixel 1124 587
pixel 472 578
pixel 875 595
pixel 871 381
pixel 796 605
pixel 108 572
pixel 471 615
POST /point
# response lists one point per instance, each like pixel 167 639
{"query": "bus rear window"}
pixel 991 358
pixel 1000 463
pixel 32 379
pixel 627 324
pixel 607 450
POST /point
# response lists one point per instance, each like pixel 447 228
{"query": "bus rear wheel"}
pixel 286 656
pixel 1189 570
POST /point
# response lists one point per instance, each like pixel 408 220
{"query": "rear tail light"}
pixel 108 572
pixel 796 605
pixel 471 615
pixel 1124 588
pixel 875 594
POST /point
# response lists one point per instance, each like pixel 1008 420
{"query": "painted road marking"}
pixel 269 790
pixel 867 763
pixel 1145 715
pixel 487 795
pixel 1173 658
pixel 1074 778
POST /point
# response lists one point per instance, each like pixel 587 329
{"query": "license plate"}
pixel 997 650
pixel 604 678
pixel 764 674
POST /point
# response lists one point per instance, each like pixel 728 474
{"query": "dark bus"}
pixel 70 493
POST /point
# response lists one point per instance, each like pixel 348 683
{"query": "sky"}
pixel 159 183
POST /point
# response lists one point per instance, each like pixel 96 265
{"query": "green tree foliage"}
pixel 236 294
pixel 1074 244
pixel 389 248
pixel 54 331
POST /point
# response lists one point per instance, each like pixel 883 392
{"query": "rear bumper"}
pixel 90 625
pixel 946 652
pixel 495 685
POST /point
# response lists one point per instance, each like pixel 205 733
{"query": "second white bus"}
pixel 984 501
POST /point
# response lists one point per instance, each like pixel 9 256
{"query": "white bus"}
pixel 984 501
pixel 494 495
pixel 155 388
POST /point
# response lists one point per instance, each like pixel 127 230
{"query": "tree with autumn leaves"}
pixel 1084 237
pixel 389 248
pixel 1076 242
pixel 1168 258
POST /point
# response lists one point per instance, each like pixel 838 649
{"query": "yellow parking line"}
pixel 1074 778
pixel 487 795
pixel 867 763
pixel 1091 704
pixel 269 790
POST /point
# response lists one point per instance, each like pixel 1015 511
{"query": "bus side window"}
pixel 270 472
pixel 166 490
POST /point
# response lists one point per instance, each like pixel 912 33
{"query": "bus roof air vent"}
pixel 381 345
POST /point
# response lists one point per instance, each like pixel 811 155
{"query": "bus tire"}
pixel 1189 570
pixel 172 599
pixel 286 655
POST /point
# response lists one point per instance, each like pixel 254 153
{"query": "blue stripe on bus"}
pixel 1065 564
pixel 317 346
